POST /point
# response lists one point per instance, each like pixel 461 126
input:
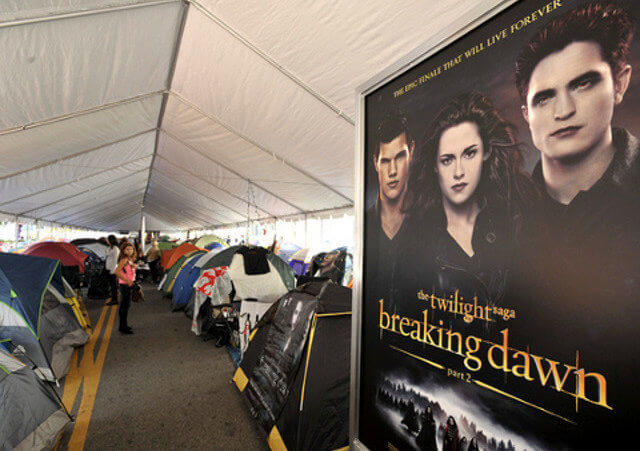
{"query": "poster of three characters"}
pixel 501 252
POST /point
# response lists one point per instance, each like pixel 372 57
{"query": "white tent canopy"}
pixel 193 113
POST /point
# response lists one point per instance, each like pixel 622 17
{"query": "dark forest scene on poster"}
pixel 501 244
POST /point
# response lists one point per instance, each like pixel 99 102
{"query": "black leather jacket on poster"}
pixel 434 263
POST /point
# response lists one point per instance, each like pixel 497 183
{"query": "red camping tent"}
pixel 68 254
pixel 168 258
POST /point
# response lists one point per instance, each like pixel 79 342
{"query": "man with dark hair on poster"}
pixel 392 152
pixel 583 298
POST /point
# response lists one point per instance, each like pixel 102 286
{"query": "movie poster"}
pixel 501 268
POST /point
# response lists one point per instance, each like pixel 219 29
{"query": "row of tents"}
pixel 42 320
pixel 299 335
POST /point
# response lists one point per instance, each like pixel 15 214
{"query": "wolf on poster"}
pixel 500 296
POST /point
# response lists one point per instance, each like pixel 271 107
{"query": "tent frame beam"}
pixel 259 147
pixel 199 193
pixel 82 13
pixel 74 114
pixel 77 154
pixel 181 196
pixel 77 179
pixel 195 218
pixel 107 206
pixel 102 220
pixel 157 213
pixel 82 203
pixel 165 96
pixel 193 149
pixel 217 187
pixel 119 179
pixel 279 67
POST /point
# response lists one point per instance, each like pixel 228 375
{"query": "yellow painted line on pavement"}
pixel 87 375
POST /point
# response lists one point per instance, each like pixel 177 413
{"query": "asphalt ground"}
pixel 160 388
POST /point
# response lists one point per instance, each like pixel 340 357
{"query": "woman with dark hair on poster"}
pixel 467 193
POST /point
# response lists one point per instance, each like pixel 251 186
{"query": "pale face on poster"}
pixel 570 101
pixel 459 166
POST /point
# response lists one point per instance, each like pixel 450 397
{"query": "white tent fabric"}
pixel 195 113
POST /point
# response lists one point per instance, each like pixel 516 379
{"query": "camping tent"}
pixel 174 271
pixel 166 245
pixel 34 315
pixel 267 286
pixel 169 258
pixel 31 417
pixel 295 372
pixel 249 272
pixel 187 277
pixel 97 247
pixel 72 259
pixel 287 250
pixel 209 240
pixel 67 253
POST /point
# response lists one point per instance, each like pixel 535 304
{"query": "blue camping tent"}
pixel 35 316
pixel 183 286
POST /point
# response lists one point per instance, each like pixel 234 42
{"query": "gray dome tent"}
pixel 30 415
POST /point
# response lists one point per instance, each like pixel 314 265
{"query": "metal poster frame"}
pixel 481 12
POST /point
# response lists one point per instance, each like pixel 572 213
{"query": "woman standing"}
pixel 153 258
pixel 111 263
pixel 466 196
pixel 126 273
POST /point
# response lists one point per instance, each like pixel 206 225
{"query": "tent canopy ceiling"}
pixel 195 113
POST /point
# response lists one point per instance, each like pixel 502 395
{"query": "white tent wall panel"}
pixel 232 84
pixel 45 198
pixel 207 162
pixel 50 142
pixel 70 65
pixel 336 46
pixel 209 138
pixel 84 166
pixel 77 199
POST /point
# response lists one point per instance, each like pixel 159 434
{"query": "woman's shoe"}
pixel 112 303
pixel 127 331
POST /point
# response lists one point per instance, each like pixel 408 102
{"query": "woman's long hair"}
pixel 122 255
pixel 502 174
